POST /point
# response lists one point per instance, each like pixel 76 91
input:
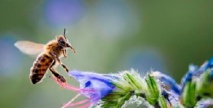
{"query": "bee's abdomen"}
pixel 39 68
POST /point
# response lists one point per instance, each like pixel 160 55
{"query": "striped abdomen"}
pixel 40 67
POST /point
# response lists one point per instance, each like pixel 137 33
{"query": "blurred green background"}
pixel 108 35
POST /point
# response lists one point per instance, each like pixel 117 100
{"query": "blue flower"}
pixel 168 81
pixel 100 84
pixel 94 86
pixel 195 71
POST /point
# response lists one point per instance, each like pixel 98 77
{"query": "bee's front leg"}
pixel 65 53
pixel 59 61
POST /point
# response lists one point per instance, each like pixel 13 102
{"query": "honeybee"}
pixel 48 55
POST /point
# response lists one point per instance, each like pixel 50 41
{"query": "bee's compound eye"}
pixel 61 42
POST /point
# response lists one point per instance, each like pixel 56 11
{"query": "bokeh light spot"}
pixel 10 58
pixel 63 12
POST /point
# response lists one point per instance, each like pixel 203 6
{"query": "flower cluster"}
pixel 154 89
pixel 195 88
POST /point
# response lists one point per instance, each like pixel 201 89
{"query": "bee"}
pixel 48 55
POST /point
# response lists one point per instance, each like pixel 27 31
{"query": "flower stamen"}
pixel 79 103
pixel 73 99
pixel 85 106
pixel 66 86
pixel 69 87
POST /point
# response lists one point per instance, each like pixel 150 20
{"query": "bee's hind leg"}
pixel 58 76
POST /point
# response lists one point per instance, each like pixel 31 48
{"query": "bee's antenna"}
pixel 65 33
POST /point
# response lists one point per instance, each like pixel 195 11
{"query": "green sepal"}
pixel 153 94
pixel 188 96
pixel 162 102
pixel 204 86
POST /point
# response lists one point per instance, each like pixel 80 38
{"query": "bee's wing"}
pixel 30 48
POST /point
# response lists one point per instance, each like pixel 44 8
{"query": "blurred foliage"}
pixel 108 36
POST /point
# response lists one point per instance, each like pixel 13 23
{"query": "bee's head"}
pixel 63 42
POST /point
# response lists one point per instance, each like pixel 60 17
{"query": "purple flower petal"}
pixel 100 83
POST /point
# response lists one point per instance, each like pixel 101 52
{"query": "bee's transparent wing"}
pixel 29 48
